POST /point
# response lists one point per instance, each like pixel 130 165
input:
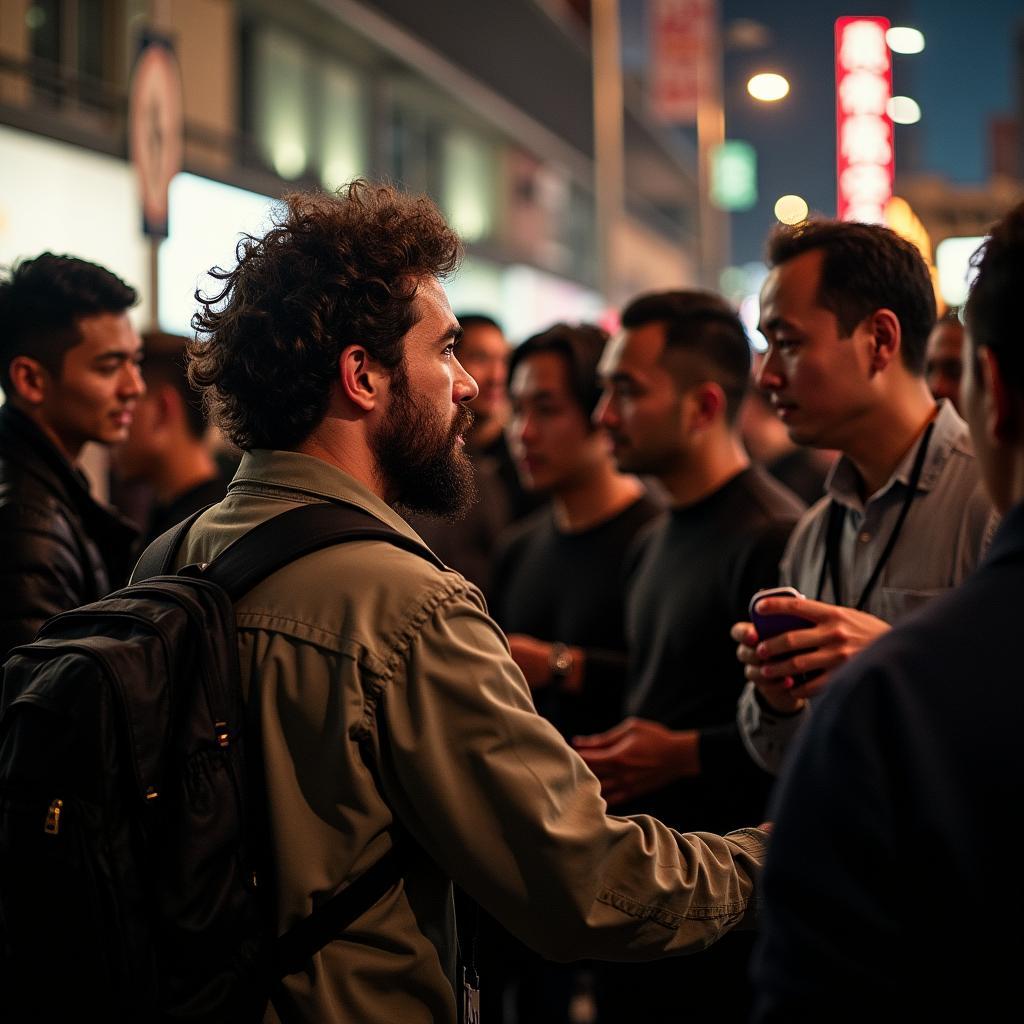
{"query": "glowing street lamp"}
pixel 768 87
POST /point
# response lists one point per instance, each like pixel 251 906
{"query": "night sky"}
pixel 964 76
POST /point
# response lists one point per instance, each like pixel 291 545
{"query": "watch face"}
pixel 561 660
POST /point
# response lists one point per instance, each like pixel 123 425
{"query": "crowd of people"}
pixel 578 722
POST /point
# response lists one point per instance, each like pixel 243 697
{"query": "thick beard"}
pixel 423 464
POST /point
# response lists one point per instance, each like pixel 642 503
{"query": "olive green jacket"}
pixel 391 708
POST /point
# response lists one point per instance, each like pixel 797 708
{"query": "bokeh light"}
pixel 768 87
pixel 905 40
pixel 903 110
pixel 791 209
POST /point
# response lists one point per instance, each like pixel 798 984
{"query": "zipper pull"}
pixel 52 826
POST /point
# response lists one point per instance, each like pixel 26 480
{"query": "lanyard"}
pixel 836 516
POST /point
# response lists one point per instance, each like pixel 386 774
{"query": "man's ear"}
pixel 168 403
pixel 1002 413
pixel 30 380
pixel 886 338
pixel 359 376
pixel 708 403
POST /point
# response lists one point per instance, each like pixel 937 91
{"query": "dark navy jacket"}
pixel 893 883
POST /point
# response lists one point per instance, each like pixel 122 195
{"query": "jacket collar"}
pixel 33 451
pixel 950 433
pixel 298 475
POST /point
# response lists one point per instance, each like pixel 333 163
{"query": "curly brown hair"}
pixel 334 270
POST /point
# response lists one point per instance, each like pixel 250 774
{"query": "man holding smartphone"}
pixel 847 309
pixel 891 889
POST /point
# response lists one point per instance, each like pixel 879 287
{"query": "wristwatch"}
pixel 560 662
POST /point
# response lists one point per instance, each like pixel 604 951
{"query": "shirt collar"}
pixel 314 478
pixel 949 432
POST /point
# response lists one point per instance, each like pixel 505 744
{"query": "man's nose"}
pixel 133 385
pixel 464 387
pixel 604 415
pixel 769 375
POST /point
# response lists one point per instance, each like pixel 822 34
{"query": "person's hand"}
pixel 533 657
pixel 637 757
pixel 777 693
pixel 837 634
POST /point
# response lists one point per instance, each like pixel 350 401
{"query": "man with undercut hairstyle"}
pixel 674 380
pixel 559 589
pixel 392 717
pixel 69 370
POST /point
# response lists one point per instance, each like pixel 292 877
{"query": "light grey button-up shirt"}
pixel 946 530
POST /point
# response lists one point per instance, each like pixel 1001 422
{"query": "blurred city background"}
pixel 586 150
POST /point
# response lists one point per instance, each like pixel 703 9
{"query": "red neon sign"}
pixel 864 136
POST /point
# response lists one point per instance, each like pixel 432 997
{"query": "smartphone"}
pixel 768 626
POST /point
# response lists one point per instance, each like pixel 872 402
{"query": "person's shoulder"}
pixel 363 595
pixel 770 499
pixel 643 513
pixel 30 502
pixel 519 536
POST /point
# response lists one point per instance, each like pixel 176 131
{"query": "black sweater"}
pixel 570 587
pixel 694 579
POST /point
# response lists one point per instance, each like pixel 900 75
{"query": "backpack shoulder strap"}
pixel 280 540
pixel 158 558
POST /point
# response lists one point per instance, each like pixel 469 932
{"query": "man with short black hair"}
pixel 674 380
pixel 166 446
pixel 69 369
pixel 846 310
pixel 391 714
pixel 560 575
pixel 891 886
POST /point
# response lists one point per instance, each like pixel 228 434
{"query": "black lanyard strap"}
pixel 832 565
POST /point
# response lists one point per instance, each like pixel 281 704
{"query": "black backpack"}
pixel 134 882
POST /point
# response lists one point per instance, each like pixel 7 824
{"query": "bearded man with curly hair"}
pixel 392 714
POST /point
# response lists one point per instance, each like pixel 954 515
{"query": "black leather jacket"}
pixel 59 548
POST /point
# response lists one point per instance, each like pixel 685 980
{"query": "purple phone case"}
pixel 768 626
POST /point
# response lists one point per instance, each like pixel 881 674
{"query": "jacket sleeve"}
pixel 510 812
pixel 767 734
pixel 40 572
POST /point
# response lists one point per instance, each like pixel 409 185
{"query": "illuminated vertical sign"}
pixel 682 35
pixel 864 137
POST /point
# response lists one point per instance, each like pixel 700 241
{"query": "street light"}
pixel 768 87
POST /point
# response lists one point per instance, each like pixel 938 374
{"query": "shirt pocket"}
pixel 895 603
